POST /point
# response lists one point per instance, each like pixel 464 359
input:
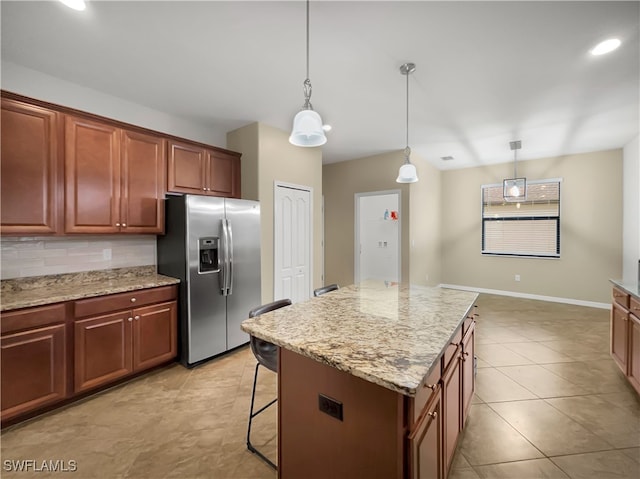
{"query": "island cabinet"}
pixel 426 436
pixel 114 179
pixel 30 169
pixel 625 334
pixel 33 356
pixel 121 334
pixel 342 426
pixel 202 171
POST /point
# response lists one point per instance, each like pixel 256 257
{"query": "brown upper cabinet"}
pixel 65 171
pixel 114 179
pixel 30 169
pixel 201 171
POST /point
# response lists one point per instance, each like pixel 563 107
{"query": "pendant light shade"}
pixel 307 129
pixel 514 189
pixel 407 172
pixel 307 124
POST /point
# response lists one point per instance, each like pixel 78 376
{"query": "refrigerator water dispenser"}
pixel 208 254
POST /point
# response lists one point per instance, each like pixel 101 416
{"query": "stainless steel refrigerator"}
pixel 213 246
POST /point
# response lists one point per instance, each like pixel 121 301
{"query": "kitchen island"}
pixel 374 380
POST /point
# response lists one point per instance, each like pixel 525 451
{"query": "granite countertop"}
pixel 40 290
pixel 388 334
pixel 632 287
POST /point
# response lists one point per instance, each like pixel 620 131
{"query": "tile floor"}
pixel 550 403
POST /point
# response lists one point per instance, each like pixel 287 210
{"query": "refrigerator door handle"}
pixel 230 258
pixel 223 267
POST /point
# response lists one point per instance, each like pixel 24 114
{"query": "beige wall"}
pixel 590 234
pixel 425 225
pixel 341 181
pixel 270 158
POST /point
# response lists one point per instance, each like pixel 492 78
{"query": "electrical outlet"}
pixel 106 254
pixel 330 406
pixel 517 277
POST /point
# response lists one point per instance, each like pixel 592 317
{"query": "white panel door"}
pixel 292 244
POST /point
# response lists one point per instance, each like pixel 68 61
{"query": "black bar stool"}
pixel 325 289
pixel 267 355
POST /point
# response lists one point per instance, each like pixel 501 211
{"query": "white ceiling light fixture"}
pixel 307 125
pixel 75 4
pixel 407 172
pixel 514 189
pixel 605 46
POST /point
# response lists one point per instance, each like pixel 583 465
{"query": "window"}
pixel 528 228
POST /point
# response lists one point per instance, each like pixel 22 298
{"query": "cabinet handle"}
pixel 133 300
pixel 433 414
pixel 136 317
pixel 124 225
pixel 431 386
pixel 118 224
pixel 129 319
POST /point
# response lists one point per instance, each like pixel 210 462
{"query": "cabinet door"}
pixel 92 177
pixel 426 442
pixel 103 347
pixel 155 335
pixel 619 336
pixel 33 369
pixel 30 167
pixel 142 183
pixel 451 408
pixel 186 169
pixel 223 175
pixel 634 352
pixel 468 377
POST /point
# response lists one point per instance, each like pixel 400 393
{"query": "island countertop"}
pixel 388 334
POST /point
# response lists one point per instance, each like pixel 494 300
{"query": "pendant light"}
pixel 307 125
pixel 407 172
pixel 514 189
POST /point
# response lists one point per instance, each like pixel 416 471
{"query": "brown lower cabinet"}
pixel 33 357
pixel 378 433
pixel 52 353
pixel 625 335
pixel 426 448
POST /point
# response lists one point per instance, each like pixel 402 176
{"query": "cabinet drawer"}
pixel 428 387
pixel 451 348
pixel 128 300
pixel 621 298
pixel 467 323
pixel 634 306
pixel 32 317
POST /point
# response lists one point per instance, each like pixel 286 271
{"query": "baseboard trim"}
pixel 554 299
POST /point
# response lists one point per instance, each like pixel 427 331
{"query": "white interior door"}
pixel 292 243
pixel 378 218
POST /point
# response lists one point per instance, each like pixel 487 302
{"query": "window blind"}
pixel 528 228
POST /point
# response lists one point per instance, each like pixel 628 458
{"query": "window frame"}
pixel 556 255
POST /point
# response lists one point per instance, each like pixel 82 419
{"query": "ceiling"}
pixel 486 72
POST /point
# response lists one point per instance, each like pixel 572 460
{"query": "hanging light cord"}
pixel 407 150
pixel 515 164
pixel 306 88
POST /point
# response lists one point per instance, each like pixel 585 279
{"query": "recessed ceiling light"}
pixel 327 127
pixel 75 4
pixel 606 46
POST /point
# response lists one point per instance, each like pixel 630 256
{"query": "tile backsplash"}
pixel 36 256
